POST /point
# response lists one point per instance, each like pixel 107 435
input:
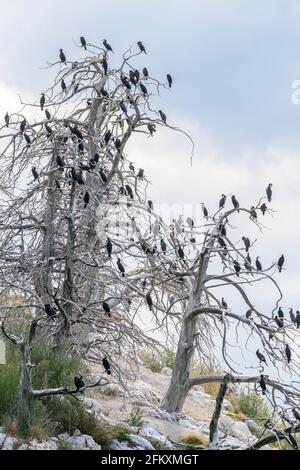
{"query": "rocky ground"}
pixel 113 405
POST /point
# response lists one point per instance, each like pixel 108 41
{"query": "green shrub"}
pixel 251 405
pixel 9 381
pixel 70 414
pixel 136 416
pixel 158 445
pixel 54 367
pixel 120 432
pixel 156 361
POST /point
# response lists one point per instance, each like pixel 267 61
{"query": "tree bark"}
pixel 213 426
pixel 25 400
pixel 179 385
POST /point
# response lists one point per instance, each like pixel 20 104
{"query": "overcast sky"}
pixel 233 63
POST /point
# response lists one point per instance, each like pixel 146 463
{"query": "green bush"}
pixel 54 367
pixel 136 416
pixel 251 405
pixel 156 361
pixel 120 432
pixel 9 381
pixel 70 414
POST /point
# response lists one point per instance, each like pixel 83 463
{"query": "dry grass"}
pixel 194 439
pixel 198 368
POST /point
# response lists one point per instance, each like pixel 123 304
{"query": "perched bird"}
pixel 51 312
pixel 125 82
pixel 63 85
pixel 149 300
pixel 235 202
pixel 121 267
pixel 59 161
pixel 48 129
pixel 74 174
pixel 86 199
pixel 140 173
pixel 62 57
pixel 296 414
pixel 292 316
pixel 80 179
pixel 150 205
pixel 107 46
pixel 204 210
pixel 224 303
pixel 132 77
pixel 129 191
pixel 106 365
pixel 269 192
pixel 35 173
pixel 145 72
pixel 83 42
pixel 261 357
pixel 79 383
pixel 278 322
pixel 143 89
pixel 222 201
pixel 180 253
pixel 263 208
pixel 247 263
pixel 249 313
pixel 106 308
pixel 6 119
pixel 109 247
pixel 23 125
pixel 246 243
pixel 163 246
pixel 151 128
pixel 103 175
pixel 47 113
pixel 288 353
pixel 262 384
pixel 107 136
pixel 222 242
pixel 237 267
pixel 105 65
pixel 123 107
pixel 141 46
pixel 298 319
pixel 42 101
pixel 280 313
pixel 223 230
pixel 163 116
pixel 118 144
pixel 170 80
pixel 258 264
pixel 27 139
pixel 280 263
pixel 253 213
pixel 104 93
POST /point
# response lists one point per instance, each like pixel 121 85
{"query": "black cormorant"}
pixel 141 46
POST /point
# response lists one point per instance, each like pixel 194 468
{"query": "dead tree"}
pixel 64 159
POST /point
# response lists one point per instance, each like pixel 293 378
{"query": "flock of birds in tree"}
pixel 134 79
pixel 77 176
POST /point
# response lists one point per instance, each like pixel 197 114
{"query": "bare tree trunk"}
pixel 25 400
pixel 179 385
pixel 213 427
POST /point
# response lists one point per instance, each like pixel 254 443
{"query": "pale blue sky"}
pixel 233 61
